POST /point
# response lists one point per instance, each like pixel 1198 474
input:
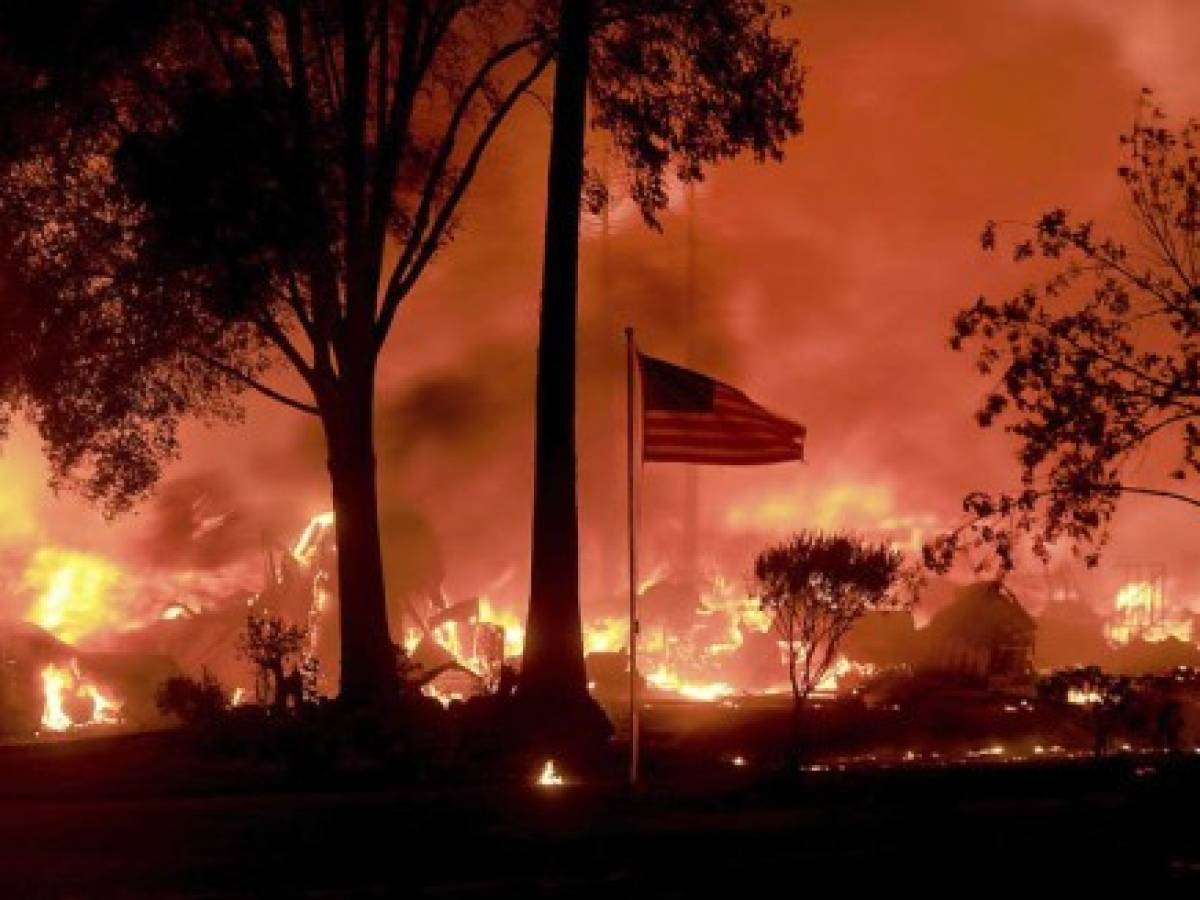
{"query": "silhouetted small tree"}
pixel 814 587
pixel 269 643
pixel 1095 361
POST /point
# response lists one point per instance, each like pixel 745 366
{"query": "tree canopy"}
pixel 196 192
pixel 815 586
pixel 1096 361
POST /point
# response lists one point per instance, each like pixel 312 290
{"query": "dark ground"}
pixel 137 817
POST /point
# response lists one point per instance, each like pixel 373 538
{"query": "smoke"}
pixel 196 521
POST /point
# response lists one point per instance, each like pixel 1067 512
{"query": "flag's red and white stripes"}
pixel 689 417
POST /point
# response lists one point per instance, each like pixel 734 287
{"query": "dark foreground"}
pixel 132 817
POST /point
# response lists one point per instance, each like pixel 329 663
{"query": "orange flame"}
pixel 54 683
pixel 59 684
pixel 1138 613
pixel 73 592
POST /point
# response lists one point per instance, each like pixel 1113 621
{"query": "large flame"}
pixel 74 592
pixel 74 600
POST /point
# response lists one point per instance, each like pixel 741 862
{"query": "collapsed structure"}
pixel 983 634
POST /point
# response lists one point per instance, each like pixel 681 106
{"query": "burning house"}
pixel 984 634
pixel 47 685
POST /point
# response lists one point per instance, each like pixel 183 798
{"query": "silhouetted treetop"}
pixel 266 181
pixel 814 586
pixel 686 97
pixel 1095 361
pixel 838 574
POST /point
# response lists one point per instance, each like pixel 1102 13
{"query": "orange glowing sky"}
pixel 826 286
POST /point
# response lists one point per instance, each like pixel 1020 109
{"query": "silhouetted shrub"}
pixel 194 701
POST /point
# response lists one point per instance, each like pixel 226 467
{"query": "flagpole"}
pixel 634 730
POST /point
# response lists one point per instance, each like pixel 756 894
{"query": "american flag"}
pixel 691 418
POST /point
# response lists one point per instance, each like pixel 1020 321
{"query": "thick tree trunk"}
pixel 368 664
pixel 552 672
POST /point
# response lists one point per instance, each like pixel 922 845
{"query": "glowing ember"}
pixel 1083 697
pixel 66 692
pixel 549 776
pixel 73 592
pixel 994 750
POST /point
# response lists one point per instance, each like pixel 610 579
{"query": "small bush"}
pixel 194 701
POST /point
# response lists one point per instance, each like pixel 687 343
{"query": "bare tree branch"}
pixel 401 283
pixel 251 382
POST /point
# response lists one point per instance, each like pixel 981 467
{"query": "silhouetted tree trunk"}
pixel 795 725
pixel 368 659
pixel 552 674
pixel 279 697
